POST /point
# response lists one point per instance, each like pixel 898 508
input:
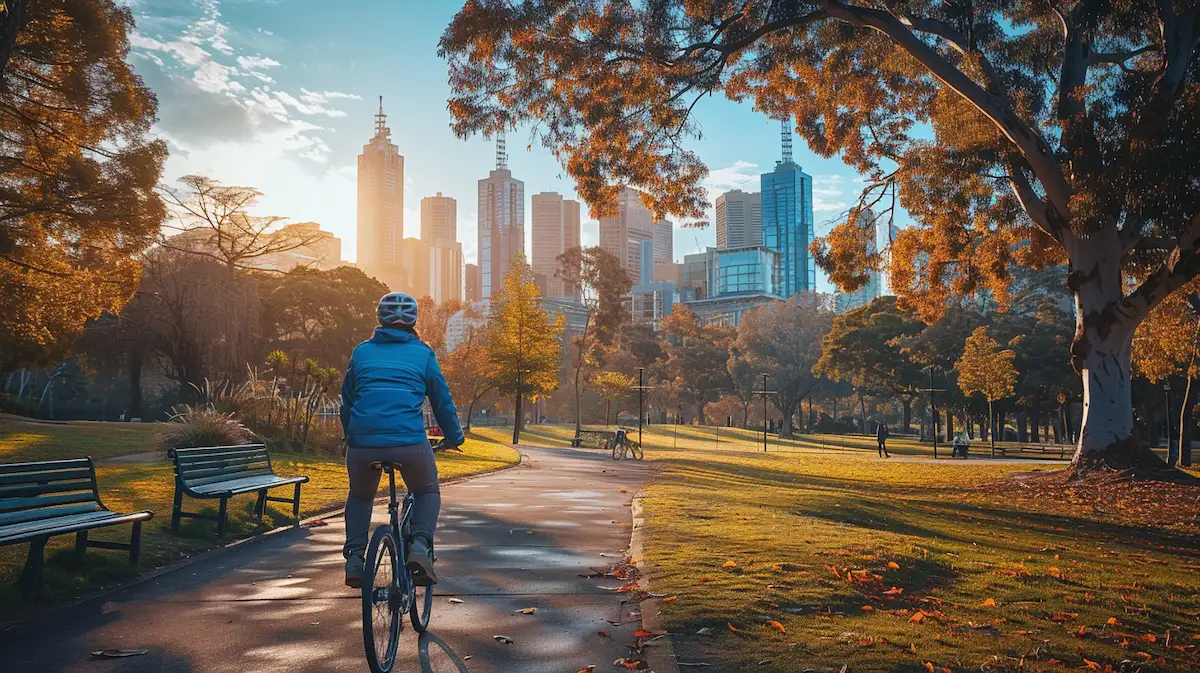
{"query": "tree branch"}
pixel 1181 266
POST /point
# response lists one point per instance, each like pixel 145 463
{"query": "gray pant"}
pixel 419 472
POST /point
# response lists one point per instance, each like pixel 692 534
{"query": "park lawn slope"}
pixel 820 561
pixel 129 487
pixel 27 439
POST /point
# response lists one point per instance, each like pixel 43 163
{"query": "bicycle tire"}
pixel 616 451
pixel 381 616
pixel 421 609
pixel 635 450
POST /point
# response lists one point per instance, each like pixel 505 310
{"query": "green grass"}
pixel 24 440
pixel 138 486
pixel 1058 562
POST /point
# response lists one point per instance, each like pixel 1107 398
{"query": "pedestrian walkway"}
pixel 522 538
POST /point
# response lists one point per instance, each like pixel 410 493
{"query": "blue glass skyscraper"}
pixel 787 220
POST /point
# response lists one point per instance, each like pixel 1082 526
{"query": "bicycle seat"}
pixel 385 465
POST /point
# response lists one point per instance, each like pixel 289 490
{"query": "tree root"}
pixel 1129 459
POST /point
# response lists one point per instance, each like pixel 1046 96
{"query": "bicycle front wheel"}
pixel 421 608
pixel 616 451
pixel 636 450
pixel 381 601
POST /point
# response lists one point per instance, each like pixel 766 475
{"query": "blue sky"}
pixel 281 96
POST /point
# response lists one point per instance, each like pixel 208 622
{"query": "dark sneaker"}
pixel 354 569
pixel 420 561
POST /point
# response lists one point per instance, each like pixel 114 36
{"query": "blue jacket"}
pixel 386 383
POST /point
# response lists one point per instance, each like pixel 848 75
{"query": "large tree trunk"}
pixel 11 23
pixel 135 383
pixel 862 412
pixel 1101 354
pixel 907 415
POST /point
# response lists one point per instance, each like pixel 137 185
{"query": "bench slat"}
pixel 25 490
pixel 45 465
pixel 233 476
pixel 223 455
pixel 217 474
pixel 209 450
pixel 227 462
pixel 64 524
pixel 45 476
pixel 47 513
pixel 39 502
pixel 248 484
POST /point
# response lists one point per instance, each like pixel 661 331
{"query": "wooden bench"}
pixel 1060 449
pixel 221 472
pixel 597 439
pixel 57 497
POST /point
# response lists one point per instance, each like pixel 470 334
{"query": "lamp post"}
pixel 1167 394
pixel 640 389
pixel 764 392
pixel 933 417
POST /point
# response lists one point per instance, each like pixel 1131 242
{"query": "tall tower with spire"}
pixel 381 206
pixel 787 218
pixel 501 222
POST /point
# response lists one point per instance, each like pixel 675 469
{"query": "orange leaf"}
pixel 604 634
pixel 668 599
pixel 731 627
pixel 1112 621
pixel 917 617
pixel 729 564
pixel 1150 638
pixel 641 633
pixel 589 669
pixel 893 565
pixel 989 603
pixel 929 666
pixel 1091 664
pixel 867 608
pixel 703 578
pixel 777 625
pixel 1054 572
pixel 1082 630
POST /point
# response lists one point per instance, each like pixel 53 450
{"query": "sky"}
pixel 281 96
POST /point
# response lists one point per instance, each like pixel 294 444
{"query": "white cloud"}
pixel 213 77
pixel 322 97
pixel 257 62
pixel 740 175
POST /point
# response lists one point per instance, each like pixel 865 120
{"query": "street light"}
pixel 1167 393
pixel 933 417
pixel 640 389
pixel 764 392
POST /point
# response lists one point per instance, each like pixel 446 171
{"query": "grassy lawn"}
pixel 23 440
pixel 823 560
pixel 137 486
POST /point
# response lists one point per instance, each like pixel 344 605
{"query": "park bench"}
pixel 221 472
pixel 1060 449
pixel 58 497
pixel 597 439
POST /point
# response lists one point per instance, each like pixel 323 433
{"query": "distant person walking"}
pixel 881 435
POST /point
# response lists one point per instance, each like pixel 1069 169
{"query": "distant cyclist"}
pixel 622 438
pixel 386 383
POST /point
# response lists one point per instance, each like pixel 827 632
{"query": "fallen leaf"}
pixel 589 669
pixel 503 639
pixel 615 521
pixel 624 490
pixel 668 599
pixel 603 634
pixel 1150 638
pixel 777 625
pixel 731 627
pixel 917 617
pixel 642 633
pixel 1053 572
pixel 118 654
pixel 1091 664
pixel 1112 621
pixel 703 578
pixel 729 564
pixel 526 611
pixel 893 565
pixel 457 600
pixel 929 666
pixel 989 603
pixel 867 608
pixel 1082 630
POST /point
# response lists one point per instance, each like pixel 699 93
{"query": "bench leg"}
pixel 260 507
pixel 80 545
pixel 135 544
pixel 221 518
pixel 178 508
pixel 31 576
pixel 296 505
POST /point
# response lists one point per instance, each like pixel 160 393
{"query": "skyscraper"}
pixel 439 218
pixel 848 301
pixel 501 222
pixel 622 234
pixel 555 223
pixel 787 219
pixel 664 241
pixel 445 270
pixel 472 287
pixel 380 204
pixel 739 219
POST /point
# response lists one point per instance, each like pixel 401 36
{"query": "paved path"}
pixel 516 539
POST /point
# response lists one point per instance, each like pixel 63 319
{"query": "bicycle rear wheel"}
pixel 382 620
pixel 616 451
pixel 636 450
pixel 421 608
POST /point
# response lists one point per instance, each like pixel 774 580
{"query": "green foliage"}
pixel 862 348
pixel 78 169
pixel 200 425
pixel 321 314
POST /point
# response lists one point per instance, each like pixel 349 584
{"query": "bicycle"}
pixel 388 587
pixel 632 446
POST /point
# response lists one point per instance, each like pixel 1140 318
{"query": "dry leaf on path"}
pixel 457 600
pixel 731 627
pixel 893 565
pixel 776 625
pixel 729 564
pixel 503 639
pixel 525 611
pixel 668 599
pixel 917 617
pixel 989 603
pixel 589 669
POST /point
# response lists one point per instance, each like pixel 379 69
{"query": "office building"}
pixel 739 219
pixel 727 283
pixel 439 218
pixel 411 272
pixel 664 241
pixel 848 301
pixel 472 289
pixel 445 270
pixel 695 274
pixel 622 233
pixel 555 223
pixel 463 325
pixel 380 203
pixel 668 271
pixel 885 234
pixel 501 222
pixel 651 302
pixel 787 219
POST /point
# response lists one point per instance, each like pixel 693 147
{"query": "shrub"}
pixel 193 426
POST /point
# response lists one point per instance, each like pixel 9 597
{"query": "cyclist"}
pixel 621 438
pixel 386 383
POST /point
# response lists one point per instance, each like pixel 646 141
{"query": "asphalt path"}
pixel 521 538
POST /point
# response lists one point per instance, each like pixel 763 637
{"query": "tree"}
pixel 597 276
pixel 468 371
pixel 1167 344
pixel 1059 134
pixel 213 221
pixel 612 387
pixel 77 172
pixel 524 352
pixel 320 314
pixel 432 318
pixel 862 348
pixel 784 340
pixel 985 369
pixel 694 356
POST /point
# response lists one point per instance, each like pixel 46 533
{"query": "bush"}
pixel 191 427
